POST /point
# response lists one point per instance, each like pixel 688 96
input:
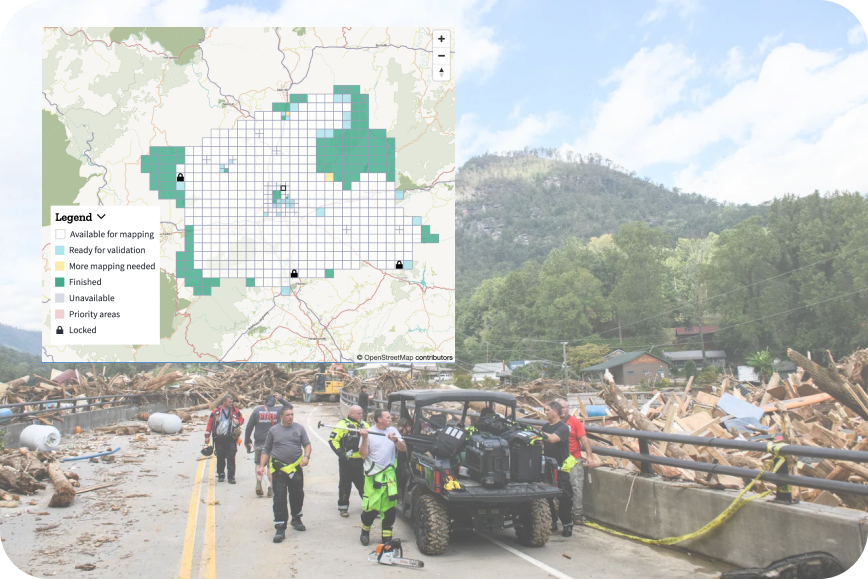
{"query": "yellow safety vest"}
pixel 288 469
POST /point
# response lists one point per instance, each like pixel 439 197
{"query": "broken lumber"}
pixel 63 491
pixel 18 481
pixel 626 411
pixel 831 382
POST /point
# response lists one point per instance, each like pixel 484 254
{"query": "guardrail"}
pixel 646 459
pixel 72 404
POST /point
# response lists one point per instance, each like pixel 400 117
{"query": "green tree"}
pixel 689 369
pixel 639 295
pixel 762 364
pixel 579 357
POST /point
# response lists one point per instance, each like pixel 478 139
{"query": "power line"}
pixel 737 289
pixel 782 312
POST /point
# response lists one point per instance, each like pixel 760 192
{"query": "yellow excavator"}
pixel 328 384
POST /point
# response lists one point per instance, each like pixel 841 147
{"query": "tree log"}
pixel 830 382
pixel 63 491
pixel 18 482
pixel 626 411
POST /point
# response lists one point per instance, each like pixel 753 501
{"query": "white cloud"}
pixel 684 7
pixel 734 67
pixel 856 35
pixel 769 42
pixel 516 112
pixel 474 139
pixel 793 126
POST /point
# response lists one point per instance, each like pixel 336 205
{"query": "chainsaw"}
pixel 392 553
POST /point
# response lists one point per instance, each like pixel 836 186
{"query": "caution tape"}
pixel 733 508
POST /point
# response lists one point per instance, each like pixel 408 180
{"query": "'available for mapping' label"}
pixel 105 285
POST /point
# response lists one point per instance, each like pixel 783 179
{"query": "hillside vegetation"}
pixel 511 209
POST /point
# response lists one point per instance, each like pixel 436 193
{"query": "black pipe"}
pixel 779 479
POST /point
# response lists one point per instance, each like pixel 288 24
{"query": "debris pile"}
pixel 814 406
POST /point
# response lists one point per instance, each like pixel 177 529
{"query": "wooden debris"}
pixel 63 491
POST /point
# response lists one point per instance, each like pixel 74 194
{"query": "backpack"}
pixel 224 426
pixel 449 441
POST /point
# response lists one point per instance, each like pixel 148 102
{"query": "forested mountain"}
pixel 514 208
pixel 28 341
pixel 792 273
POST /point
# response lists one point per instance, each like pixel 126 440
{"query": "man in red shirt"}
pixel 578 440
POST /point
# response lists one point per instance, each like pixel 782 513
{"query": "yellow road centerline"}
pixel 192 519
pixel 208 562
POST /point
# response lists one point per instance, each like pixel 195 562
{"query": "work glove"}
pixel 349 454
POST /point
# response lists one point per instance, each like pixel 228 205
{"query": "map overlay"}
pixel 306 197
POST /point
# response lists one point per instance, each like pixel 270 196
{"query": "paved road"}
pixel 186 525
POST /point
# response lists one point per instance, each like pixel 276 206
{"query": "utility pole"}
pixel 566 372
pixel 701 332
pixel 620 340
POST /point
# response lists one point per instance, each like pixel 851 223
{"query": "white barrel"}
pixel 40 437
pixel 165 423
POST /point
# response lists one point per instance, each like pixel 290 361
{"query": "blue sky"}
pixel 738 100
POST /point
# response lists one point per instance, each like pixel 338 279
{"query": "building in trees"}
pixel 630 368
pixel 712 358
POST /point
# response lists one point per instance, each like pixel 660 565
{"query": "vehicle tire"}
pixel 431 523
pixel 533 525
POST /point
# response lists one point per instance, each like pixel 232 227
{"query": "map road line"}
pixel 192 519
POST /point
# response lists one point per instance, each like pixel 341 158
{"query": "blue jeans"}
pixel 307 396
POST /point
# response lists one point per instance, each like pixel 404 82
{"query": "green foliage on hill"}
pixel 517 208
pixel 792 274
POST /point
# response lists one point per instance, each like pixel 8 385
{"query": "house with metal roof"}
pixel 712 357
pixel 630 368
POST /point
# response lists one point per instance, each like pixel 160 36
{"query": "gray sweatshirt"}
pixel 286 443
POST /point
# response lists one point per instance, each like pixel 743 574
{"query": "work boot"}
pixel 568 531
pixel 259 492
pixel 344 513
pixel 221 477
pixel 580 521
pixel 232 480
pixel 270 493
pixel 280 533
pixel 297 524
pixel 365 537
pixel 554 526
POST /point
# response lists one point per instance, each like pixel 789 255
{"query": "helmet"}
pixel 208 450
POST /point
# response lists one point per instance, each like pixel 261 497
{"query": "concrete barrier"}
pixel 762 531
pixel 94 418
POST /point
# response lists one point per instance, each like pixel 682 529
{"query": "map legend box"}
pixel 110 275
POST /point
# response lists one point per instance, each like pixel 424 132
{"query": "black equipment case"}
pixel 525 456
pixel 488 459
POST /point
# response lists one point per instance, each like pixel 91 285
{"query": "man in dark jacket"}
pixel 346 444
pixel 363 401
pixel 223 422
pixel 261 420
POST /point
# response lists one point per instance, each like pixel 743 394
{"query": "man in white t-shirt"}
pixel 381 485
pixel 308 390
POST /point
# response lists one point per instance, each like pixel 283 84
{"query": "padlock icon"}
pixel 59 330
pixel 399 265
pixel 293 273
pixel 180 177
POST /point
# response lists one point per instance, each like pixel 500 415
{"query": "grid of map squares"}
pixel 306 187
